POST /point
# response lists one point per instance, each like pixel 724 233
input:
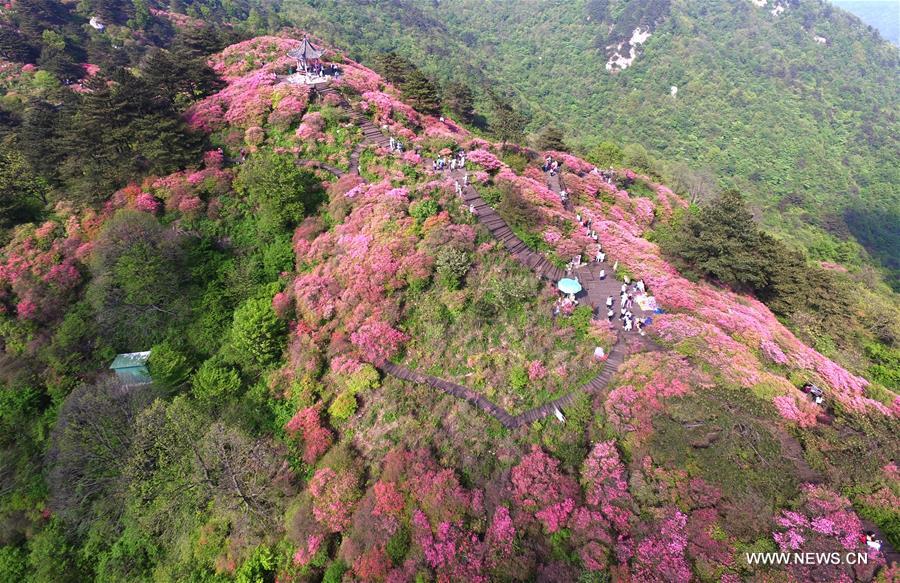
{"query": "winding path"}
pixel 595 290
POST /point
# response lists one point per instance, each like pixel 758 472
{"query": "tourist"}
pixel 872 542
pixel 609 302
pixel 609 315
pixel 640 285
pixel 392 143
pixel 453 164
pixel 578 218
pixel 616 267
pixel 472 209
pixel 466 179
pixel 602 274
pixel 624 288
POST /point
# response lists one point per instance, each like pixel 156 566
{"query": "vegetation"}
pixel 272 286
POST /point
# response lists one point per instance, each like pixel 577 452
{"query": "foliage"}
pixel 257 334
pixel 451 265
pixel 282 192
pixel 213 382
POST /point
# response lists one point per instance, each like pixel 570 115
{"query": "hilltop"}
pixel 347 346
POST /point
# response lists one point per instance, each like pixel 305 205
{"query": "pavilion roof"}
pixel 305 51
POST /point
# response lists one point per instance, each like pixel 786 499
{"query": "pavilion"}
pixel 310 70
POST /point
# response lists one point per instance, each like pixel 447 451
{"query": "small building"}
pixel 306 55
pixel 131 368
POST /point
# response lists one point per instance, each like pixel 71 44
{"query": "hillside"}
pixel 794 103
pixel 362 369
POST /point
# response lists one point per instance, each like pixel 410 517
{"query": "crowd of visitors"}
pixel 454 162
pixel 551 165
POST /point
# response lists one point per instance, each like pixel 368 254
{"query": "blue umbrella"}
pixel 568 286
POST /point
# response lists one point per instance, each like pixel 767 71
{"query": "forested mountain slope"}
pixel 793 102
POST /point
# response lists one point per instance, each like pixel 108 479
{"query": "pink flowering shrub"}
pixel 304 554
pixel 539 488
pixel 378 341
pixel 536 370
pixel 334 498
pixel 454 553
pixel 825 523
pixel 484 159
pixel 311 126
pixel 661 556
pixel 147 203
pixel 316 439
pixel 603 479
pixel 799 410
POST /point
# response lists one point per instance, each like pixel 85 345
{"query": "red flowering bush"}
pixel 316 439
pixel 334 498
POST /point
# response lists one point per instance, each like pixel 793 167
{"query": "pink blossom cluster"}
pixel 334 498
pixel 643 384
pixel 661 556
pixel 311 126
pixel 484 159
pixel 267 54
pixel 316 439
pixel 304 554
pixel 244 102
pixel 825 522
pixel 536 370
pixel 603 478
pixel 800 410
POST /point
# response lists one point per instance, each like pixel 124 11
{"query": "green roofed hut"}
pixel 131 368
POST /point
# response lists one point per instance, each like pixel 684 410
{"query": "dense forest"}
pixel 798 109
pixel 354 372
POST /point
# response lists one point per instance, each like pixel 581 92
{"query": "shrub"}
pixel 518 378
pixel 214 382
pixel 423 209
pixel 343 407
pixel 335 572
pixel 451 265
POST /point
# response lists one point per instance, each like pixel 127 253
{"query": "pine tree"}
pixel 507 122
pixel 460 101
pixel 394 68
pixel 421 92
pixel 551 138
pixel 174 74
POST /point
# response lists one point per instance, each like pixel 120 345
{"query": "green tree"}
pixel 722 241
pixel 169 366
pixel 22 192
pixel 507 121
pixel 137 289
pixel 282 193
pixel 460 101
pixel 214 383
pixel 257 334
pixel 551 137
pixel 395 68
pixel 421 92
pixel 606 155
pixel 451 265
pixel 174 74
